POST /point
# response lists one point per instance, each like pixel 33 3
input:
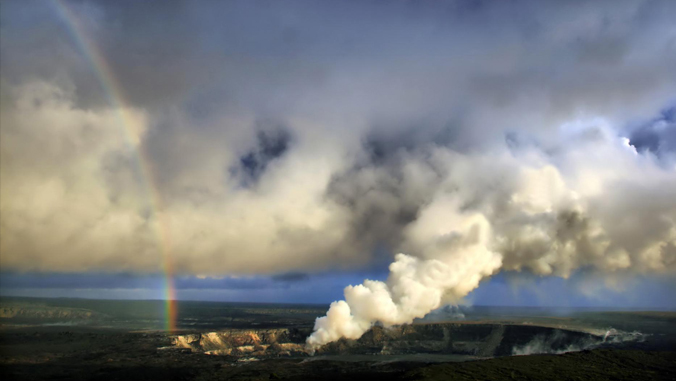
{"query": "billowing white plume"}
pixel 517 212
pixel 305 136
pixel 414 287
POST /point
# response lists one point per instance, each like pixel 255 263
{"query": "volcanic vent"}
pixel 471 339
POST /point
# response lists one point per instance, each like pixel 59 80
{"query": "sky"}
pixel 516 152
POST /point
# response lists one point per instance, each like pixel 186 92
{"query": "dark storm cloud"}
pixel 291 277
pixel 272 143
pixel 269 137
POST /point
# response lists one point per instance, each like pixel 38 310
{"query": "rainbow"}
pixel 129 125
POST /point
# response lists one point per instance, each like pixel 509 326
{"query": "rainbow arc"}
pixel 130 125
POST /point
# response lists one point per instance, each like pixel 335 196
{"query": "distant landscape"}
pixel 468 189
pixel 122 339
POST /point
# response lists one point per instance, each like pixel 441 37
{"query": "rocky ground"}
pixel 58 353
pixel 104 340
pixel 467 339
pixel 600 364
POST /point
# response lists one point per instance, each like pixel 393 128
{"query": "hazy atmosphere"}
pixel 505 153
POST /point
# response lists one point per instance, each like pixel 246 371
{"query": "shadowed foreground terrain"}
pixel 53 355
pixel 600 364
pixel 94 340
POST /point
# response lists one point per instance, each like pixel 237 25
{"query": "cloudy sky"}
pixel 280 151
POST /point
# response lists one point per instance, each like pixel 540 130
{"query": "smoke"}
pixel 595 204
pixel 444 314
pixel 554 344
pixel 557 343
pixel 474 138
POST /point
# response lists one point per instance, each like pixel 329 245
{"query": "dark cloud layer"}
pixel 12 281
pixel 262 137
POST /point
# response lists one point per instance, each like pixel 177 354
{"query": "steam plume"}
pixel 518 212
pixel 475 137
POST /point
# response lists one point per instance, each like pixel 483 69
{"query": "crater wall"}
pixel 481 340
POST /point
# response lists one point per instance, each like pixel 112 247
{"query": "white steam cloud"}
pixel 301 136
pixel 520 211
